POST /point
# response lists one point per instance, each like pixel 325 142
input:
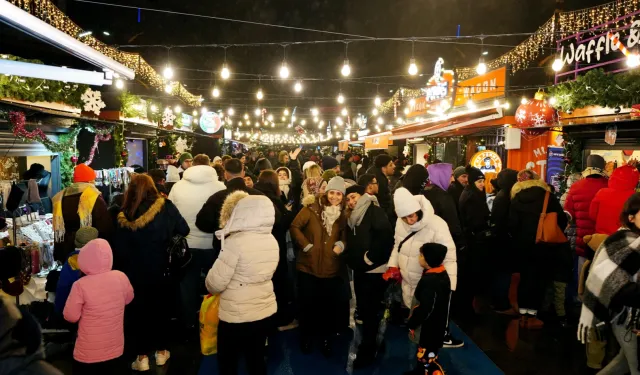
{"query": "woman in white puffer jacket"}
pixel 242 275
pixel 415 214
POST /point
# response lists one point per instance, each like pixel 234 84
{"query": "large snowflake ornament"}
pixel 538 119
pixel 168 117
pixel 521 114
pixel 92 101
pixel 181 145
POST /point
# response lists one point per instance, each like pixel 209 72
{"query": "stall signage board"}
pixel 377 142
pixel 436 94
pixel 487 86
pixel 486 161
pixel 343 146
pixel 555 165
pixel 592 48
pixel 210 122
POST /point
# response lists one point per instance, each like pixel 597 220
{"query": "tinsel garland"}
pixel 598 88
pixel 573 150
pixel 121 153
pixel 96 139
pixel 18 121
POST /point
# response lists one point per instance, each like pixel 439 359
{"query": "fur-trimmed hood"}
pixel 309 200
pixel 144 219
pixel 242 212
pixel 528 184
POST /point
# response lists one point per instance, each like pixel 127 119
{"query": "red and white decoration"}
pixel 536 113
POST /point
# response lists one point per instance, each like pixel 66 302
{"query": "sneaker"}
pixel 140 365
pixel 451 342
pixel 294 324
pixel 161 358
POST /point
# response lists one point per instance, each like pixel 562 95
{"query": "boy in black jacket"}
pixel 369 245
pixel 430 309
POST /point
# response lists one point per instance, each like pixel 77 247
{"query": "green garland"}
pixel 573 150
pixel 152 153
pixel 598 88
pixel 133 106
pixel 40 90
pixel 120 144
pixel 66 165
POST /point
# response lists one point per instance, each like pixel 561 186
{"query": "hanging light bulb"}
pixel 257 112
pixel 412 103
pixel 293 118
pixel 225 73
pixel 315 119
pixel 231 112
pixel 119 84
pixel 286 112
pixel 246 116
pixel 195 113
pixel 297 87
pixel 167 72
pixel 524 100
pixel 407 111
pixel 283 119
pixel 375 111
pixel 633 60
pixel 380 120
pixel 177 109
pixel 303 122
pixel 481 68
pixel 344 112
pixel 314 111
pixel 340 98
pixel 471 104
pixel 284 70
pixel 270 117
pixel 506 105
pixel 168 88
pixel 377 101
pixel 553 100
pixel 215 92
pixel 557 65
pixel 413 67
pixel 346 69
pixel 259 94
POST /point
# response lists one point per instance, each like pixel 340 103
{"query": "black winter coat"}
pixel 432 310
pixel 504 248
pixel 384 193
pixel 445 207
pixel 526 205
pixel 284 217
pixel 141 242
pixel 456 189
pixel 474 212
pixel 374 237
pixel 208 219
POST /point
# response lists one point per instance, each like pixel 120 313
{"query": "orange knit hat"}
pixel 83 173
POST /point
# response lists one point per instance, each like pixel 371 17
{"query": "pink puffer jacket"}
pixel 97 301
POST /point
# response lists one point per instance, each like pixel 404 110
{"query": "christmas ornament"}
pixel 535 113
pixel 168 118
pixel 74 159
pixel 92 101
pixel 96 139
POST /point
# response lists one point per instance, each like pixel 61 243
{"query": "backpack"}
pixel 179 256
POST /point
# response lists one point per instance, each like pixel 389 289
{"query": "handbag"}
pixel 179 256
pixel 548 229
pixel 209 320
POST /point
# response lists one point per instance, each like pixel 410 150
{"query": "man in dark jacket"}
pixel 443 204
pixel 460 180
pixel 370 241
pixel 503 257
pixel 208 218
pixel 383 167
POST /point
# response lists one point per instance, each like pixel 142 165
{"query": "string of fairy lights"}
pixel 538 43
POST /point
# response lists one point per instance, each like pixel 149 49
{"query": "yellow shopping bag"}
pixel 209 324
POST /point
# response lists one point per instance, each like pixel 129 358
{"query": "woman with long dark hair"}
pixel 146 225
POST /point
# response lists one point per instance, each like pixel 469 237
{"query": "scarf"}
pixel 613 267
pixel 361 208
pixel 88 196
pixel 329 216
pixel 284 186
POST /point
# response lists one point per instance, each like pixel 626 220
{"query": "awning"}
pixel 463 123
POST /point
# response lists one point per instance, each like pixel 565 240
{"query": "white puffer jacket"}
pixel 249 257
pixel 431 229
pixel 190 194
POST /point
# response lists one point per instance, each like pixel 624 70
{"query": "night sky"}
pixel 374 18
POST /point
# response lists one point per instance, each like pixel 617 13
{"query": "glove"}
pixel 393 273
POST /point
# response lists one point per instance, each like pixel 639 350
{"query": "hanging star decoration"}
pixel 93 101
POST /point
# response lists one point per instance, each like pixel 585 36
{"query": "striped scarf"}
pixel 89 195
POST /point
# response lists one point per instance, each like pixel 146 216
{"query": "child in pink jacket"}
pixel 97 302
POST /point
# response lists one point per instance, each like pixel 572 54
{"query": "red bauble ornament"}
pixel 536 113
pixel 124 153
pixel 74 159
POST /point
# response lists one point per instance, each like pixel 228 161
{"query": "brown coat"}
pixel 307 228
pixel 100 219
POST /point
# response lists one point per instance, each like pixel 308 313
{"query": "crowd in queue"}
pixel 283 238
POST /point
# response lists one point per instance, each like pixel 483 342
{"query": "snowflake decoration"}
pixel 521 115
pixel 538 119
pixel 168 117
pixel 92 101
pixel 181 145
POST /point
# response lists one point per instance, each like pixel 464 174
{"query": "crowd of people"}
pixel 283 238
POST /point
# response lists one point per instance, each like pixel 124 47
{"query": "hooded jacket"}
pixel 309 232
pixel 369 237
pixel 577 205
pixel 500 216
pixel 248 259
pixel 441 200
pixel 141 242
pixel 430 229
pixel 606 206
pixel 527 200
pixel 474 212
pixel 97 302
pixel 190 194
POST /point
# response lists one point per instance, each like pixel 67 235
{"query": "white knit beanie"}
pixel 307 165
pixel 405 203
pixel 337 183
